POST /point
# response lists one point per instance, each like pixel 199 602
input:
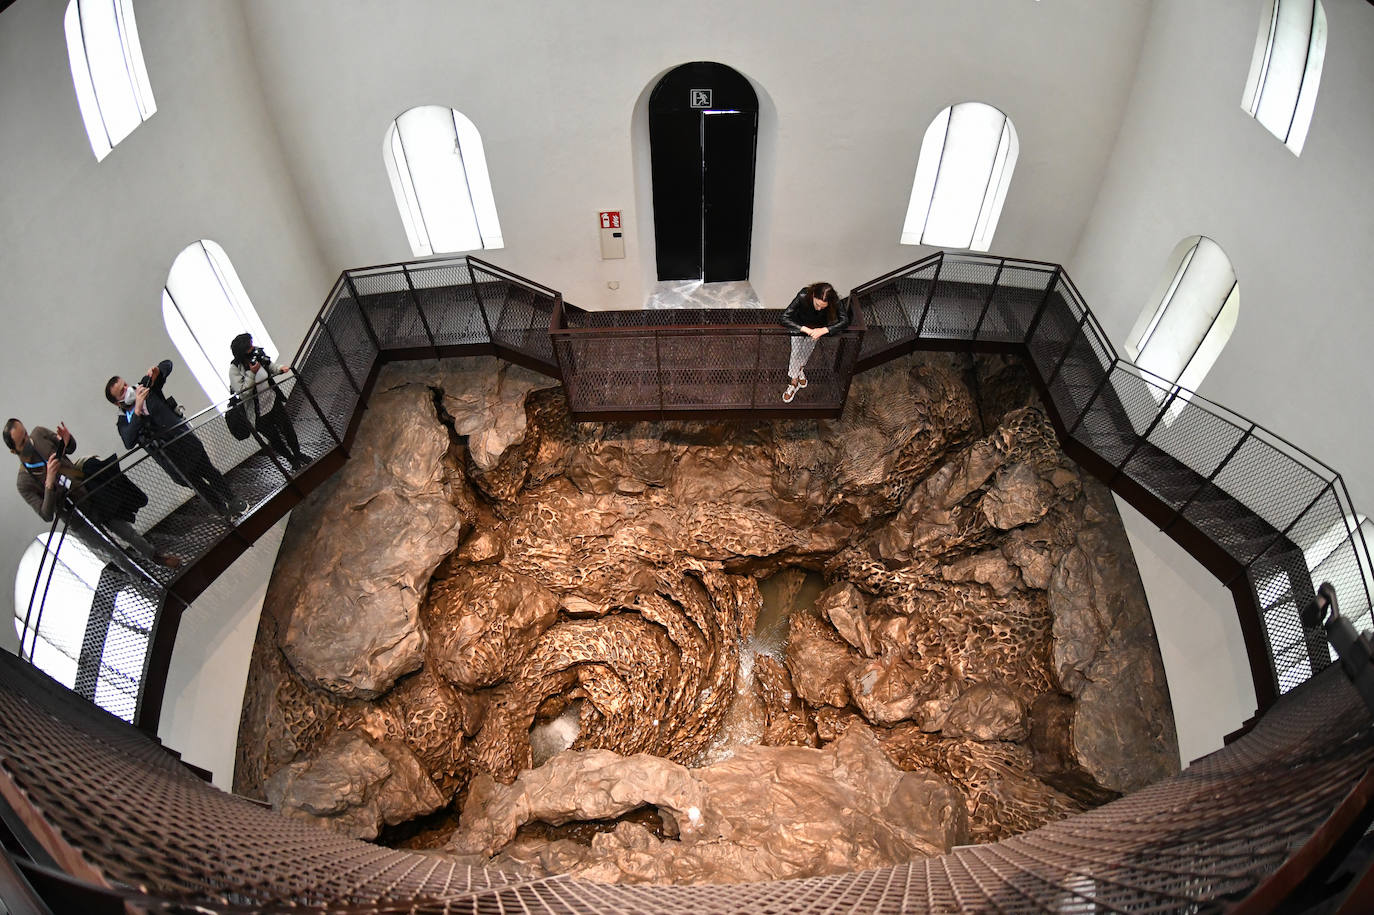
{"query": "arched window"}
pixel 1286 69
pixel 204 307
pixel 112 87
pixel 439 175
pixel 962 176
pixel 93 631
pixel 1190 317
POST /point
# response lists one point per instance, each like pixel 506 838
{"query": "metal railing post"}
pixel 1216 471
pixel 276 459
pixel 758 362
pixel 362 313
pixel 992 291
pixel 1068 348
pixel 1145 436
pixel 1040 310
pixel 343 363
pixel 415 300
pixel 48 549
pixel 481 307
pixel 305 389
pixel 1296 518
pixel 1101 386
pixel 658 372
pixel 920 326
pixel 33 592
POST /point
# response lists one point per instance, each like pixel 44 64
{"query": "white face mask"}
pixel 130 392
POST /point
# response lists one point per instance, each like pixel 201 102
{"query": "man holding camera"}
pixel 147 417
pixel 44 464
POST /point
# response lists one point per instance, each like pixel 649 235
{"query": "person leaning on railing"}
pixel 115 501
pixel 148 418
pixel 250 377
pixel 816 311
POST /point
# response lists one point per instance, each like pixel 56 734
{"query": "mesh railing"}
pixel 135 826
pixel 683 362
pixel 1200 841
pixel 1276 513
pixel 1282 517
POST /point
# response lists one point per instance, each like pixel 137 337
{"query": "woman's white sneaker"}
pixel 791 392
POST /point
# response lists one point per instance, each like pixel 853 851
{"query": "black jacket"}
pixel 802 313
pixel 162 422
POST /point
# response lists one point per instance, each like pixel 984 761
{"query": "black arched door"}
pixel 703 130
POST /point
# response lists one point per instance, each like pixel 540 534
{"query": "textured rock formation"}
pixel 768 813
pixel 1103 639
pixel 786 721
pixel 355 786
pixel 505 584
pixel 349 603
pixel 484 620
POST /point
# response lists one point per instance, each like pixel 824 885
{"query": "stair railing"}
pixel 1256 510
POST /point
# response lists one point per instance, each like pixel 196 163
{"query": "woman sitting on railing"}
pixel 251 378
pixel 816 311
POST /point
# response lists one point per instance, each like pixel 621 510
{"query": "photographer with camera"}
pixel 149 418
pixel 251 378
pixel 113 503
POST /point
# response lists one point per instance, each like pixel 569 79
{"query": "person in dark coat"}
pixel 816 310
pixel 108 499
pixel 147 418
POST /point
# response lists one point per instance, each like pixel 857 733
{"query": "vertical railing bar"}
pixel 52 567
pixel 1078 297
pixel 1040 311
pixel 481 306
pixel 1296 518
pixel 1101 386
pixel 300 382
pixel 930 295
pixel 1068 348
pixel 272 456
pixel 1210 477
pixel 47 550
pixel 362 313
pixel 415 298
pixel 1145 436
pixel 758 361
pixel 992 291
pixel 658 372
pixel 1358 543
pixel 343 363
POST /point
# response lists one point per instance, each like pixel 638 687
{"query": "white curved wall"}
pixel 85 246
pixel 1298 230
pixel 553 88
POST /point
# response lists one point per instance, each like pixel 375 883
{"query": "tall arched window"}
pixel 1190 317
pixel 962 176
pixel 204 307
pixel 1286 69
pixel 93 631
pixel 439 175
pixel 112 87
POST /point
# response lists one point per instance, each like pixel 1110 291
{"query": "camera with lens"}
pixel 147 382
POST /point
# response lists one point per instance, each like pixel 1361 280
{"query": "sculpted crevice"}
pixel 737 652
